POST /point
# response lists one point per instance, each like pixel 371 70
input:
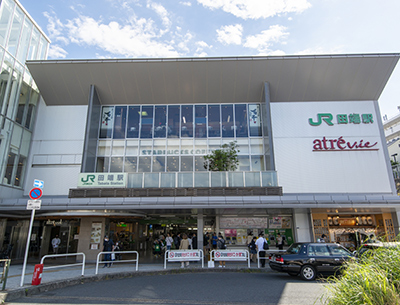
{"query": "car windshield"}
pixel 294 249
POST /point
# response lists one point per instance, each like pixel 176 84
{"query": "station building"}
pixel 120 146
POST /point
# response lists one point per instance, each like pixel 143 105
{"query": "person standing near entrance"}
pixel 55 242
pixel 221 246
pixel 260 248
pixel 279 241
pixel 169 240
pixel 108 246
pixel 184 246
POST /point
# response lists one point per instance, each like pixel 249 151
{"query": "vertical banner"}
pixel 255 120
pixel 107 122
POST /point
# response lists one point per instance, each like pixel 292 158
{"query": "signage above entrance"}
pixel 100 180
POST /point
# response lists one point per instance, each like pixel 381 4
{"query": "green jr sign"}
pixel 100 180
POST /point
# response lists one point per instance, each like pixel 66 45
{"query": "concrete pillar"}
pixel 217 225
pixel 200 229
pixel 303 230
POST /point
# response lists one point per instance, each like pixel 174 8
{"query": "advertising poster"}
pixel 275 223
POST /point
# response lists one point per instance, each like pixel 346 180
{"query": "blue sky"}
pixel 193 28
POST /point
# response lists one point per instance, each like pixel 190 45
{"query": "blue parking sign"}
pixel 38 183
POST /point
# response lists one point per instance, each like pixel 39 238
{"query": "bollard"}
pixel 37 274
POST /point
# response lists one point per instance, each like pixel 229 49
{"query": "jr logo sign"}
pixel 353 118
pixel 88 178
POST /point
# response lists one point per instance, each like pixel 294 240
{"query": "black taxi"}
pixel 310 259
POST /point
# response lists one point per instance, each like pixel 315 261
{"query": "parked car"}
pixel 310 259
pixel 369 247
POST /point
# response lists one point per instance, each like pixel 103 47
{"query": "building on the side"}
pixel 392 134
pixel 120 144
pixel 21 39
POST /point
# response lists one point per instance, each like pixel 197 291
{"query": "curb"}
pixel 32 290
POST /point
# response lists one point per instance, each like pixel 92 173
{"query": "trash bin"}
pixel 37 274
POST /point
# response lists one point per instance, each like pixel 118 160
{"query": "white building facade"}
pixel 120 146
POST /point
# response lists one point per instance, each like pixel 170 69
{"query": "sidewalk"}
pixel 67 276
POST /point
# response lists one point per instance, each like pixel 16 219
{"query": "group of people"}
pixel 214 242
pixel 172 242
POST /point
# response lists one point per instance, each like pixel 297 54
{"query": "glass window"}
pixel 218 179
pixel 24 43
pixel 132 148
pixel 33 47
pixel 13 93
pixel 199 164
pixel 26 141
pixel 214 144
pixel 244 163
pixel 118 148
pixel 104 148
pixel 185 179
pixel 173 147
pixel 186 164
pixel 15 31
pixel 107 122
pixel 186 147
pixel 235 179
pixel 133 122
pixel 7 8
pixel 159 164
pixel 146 147
pixel 200 147
pixel 116 164
pixel 201 179
pixel 214 121
pixel 6 71
pixel 257 163
pixel 201 121
pixel 146 115
pixel 227 121
pixel 119 122
pixel 102 164
pixel 255 120
pixel 23 99
pixel 172 164
pixel 9 168
pixel 187 121
pixel 43 44
pixel 130 165
pixel 252 179
pixel 144 164
pixel 256 146
pixel 173 121
pixel 151 180
pixel 160 122
pixel 31 109
pixel 20 171
pixel 167 180
pixel 159 147
pixel 241 120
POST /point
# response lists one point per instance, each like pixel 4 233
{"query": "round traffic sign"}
pixel 35 193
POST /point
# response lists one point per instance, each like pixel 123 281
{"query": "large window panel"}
pixel 118 148
pixel 5 78
pixel 33 47
pixel 23 98
pixel 214 121
pixel 33 100
pixel 160 122
pixel 241 120
pixel 19 175
pixel 187 121
pixel 43 44
pixel 130 165
pixel 186 164
pixel 228 126
pixel 102 164
pixel 9 168
pixel 13 92
pixel 132 148
pixel 172 164
pixel 7 7
pixel 244 163
pixel 255 120
pixel 158 164
pixel 24 43
pixel 119 122
pixel 144 164
pixel 199 164
pixel 257 163
pixel 173 121
pixel 146 115
pixel 116 164
pixel 15 33
pixel 133 122
pixel 201 121
pixel 107 122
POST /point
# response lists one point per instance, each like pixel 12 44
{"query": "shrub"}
pixel 374 279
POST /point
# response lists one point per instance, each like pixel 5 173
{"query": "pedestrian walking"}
pixel 221 246
pixel 260 248
pixel 169 240
pixel 253 248
pixel 108 246
pixel 55 242
pixel 184 246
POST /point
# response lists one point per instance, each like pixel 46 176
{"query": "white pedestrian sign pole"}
pixel 33 205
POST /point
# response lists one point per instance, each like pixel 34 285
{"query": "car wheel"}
pixel 293 273
pixel 308 273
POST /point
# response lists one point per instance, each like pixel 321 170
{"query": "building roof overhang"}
pixel 214 80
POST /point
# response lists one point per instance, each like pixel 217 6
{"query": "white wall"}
pixel 57 147
pixel 302 170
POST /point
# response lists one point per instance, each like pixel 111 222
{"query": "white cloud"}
pixel 230 34
pixel 136 39
pixel 187 3
pixel 263 41
pixel 55 27
pixel 56 51
pixel 201 45
pixel 321 50
pixel 160 11
pixel 256 9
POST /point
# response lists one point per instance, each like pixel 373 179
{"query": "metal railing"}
pixel 117 261
pixel 183 256
pixel 231 255
pixel 4 273
pixel 65 265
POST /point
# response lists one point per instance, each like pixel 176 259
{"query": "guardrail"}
pixel 5 263
pixel 65 265
pixel 183 256
pixel 117 261
pixel 231 255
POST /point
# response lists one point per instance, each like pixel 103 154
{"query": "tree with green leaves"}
pixel 224 159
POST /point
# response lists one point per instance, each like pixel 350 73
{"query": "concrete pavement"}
pixel 68 276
